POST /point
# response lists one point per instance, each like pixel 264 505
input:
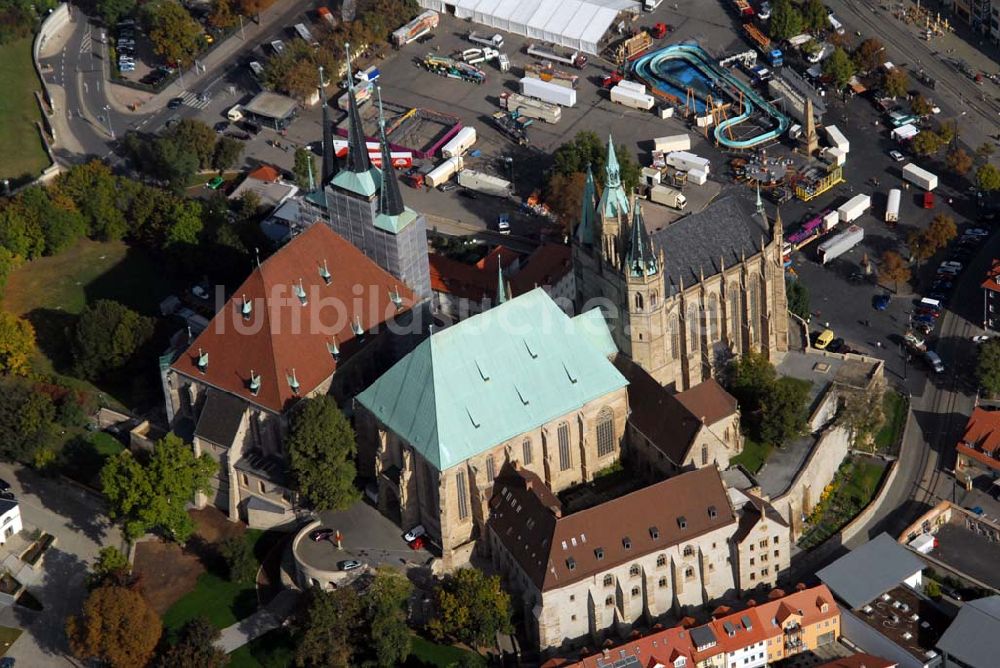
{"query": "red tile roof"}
pixel 282 334
pixel 708 401
pixel 461 280
pixel 992 281
pixel 807 603
pixel 265 173
pixel 546 266
pixel 505 256
pixel 981 440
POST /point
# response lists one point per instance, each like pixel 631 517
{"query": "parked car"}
pixel 447 187
pixel 881 302
pixel 215 183
pixel 221 126
pixel 824 339
pixel 503 223
pixel 981 338
pixel 4 485
pixel 414 533
pixel 317 535
pixel 897 156
pixel 201 292
pixel 175 102
pixel 836 346
pixel 934 361
pixel 349 565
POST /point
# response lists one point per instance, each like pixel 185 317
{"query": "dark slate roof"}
pixel 220 418
pixel 869 571
pixel 7 505
pixel 725 231
pixel 974 636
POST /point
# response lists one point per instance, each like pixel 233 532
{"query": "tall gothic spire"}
pixel 612 177
pixel 357 150
pixel 585 230
pixel 390 201
pixel 329 163
pixel 760 202
pixel 640 258
pixel 501 290
pixel 614 201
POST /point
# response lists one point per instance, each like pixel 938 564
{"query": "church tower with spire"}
pixel 363 203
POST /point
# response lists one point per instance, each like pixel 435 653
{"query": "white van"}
pixel 927 302
pixel 837 26
pixel 235 113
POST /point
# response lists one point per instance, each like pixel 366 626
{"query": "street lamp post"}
pixel 107 117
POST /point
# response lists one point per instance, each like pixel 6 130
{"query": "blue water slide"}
pixel 652 69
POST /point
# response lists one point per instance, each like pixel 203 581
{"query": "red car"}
pixel 928 200
pixel 416 543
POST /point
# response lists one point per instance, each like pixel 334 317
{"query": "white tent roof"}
pixel 577 24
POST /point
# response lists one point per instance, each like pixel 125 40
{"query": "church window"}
pixel 693 328
pixel 609 600
pixel 635 592
pixel 526 447
pixel 704 455
pixel 733 297
pixel 491 468
pixel 605 432
pixel 652 299
pixel 663 583
pixel 608 580
pixel 634 571
pixel 712 317
pixel 661 561
pixel 675 339
pixel 754 294
pixel 563 436
pixel 689 572
pixel 638 301
pixel 463 498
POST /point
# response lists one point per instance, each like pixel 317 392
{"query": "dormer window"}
pixel 293 382
pixel 654 533
pixel 333 348
pixel 396 298
pixel 324 273
pixel 202 360
pixel 682 522
pixel 356 327
pixel 571 564
pixel 627 543
pixel 300 292
pixel 712 512
pixel 254 383
pixel 247 308
pixel 599 553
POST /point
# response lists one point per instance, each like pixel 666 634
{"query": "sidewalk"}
pixel 268 618
pixel 65 141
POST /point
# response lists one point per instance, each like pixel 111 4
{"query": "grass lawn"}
pixel 274 649
pixel 222 602
pixel 853 488
pixel 83 457
pixel 894 406
pixel 753 456
pixel 424 654
pixel 7 638
pixel 20 145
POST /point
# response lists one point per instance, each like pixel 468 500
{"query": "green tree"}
pixel 185 223
pixel 387 605
pixel 949 132
pixel 241 564
pixel 988 178
pixel 112 11
pixel 304 168
pixel 52 214
pixel 326 626
pixel 17 344
pixel 798 298
pixel 786 20
pixel 174 34
pixel 106 336
pixel 196 137
pixel 932 589
pixel 155 494
pixel 111 568
pixel 814 16
pixel 988 366
pixel 985 151
pixel 927 143
pixel 20 234
pixel 172 163
pixel 470 607
pixel 116 628
pixel 228 152
pixel 195 647
pixel 894 268
pixel 253 8
pixel 784 410
pixel 896 82
pixel 321 451
pixel 749 379
pixel 26 420
pixel 587 148
pixel 869 55
pixel 839 66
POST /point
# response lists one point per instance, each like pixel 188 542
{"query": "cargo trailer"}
pixel 852 209
pixel 697 176
pixel 892 207
pixel 839 244
pixel 529 107
pixel 444 171
pixel 685 162
pixel 630 98
pixel 672 143
pixel 920 177
pixel 574 58
pixel 485 183
pixel 548 92
pixel 837 138
pixel 422 25
pixel 460 143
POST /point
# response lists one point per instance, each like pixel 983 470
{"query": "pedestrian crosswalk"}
pixel 192 100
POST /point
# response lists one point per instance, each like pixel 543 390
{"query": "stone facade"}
pixel 762 554
pixel 713 444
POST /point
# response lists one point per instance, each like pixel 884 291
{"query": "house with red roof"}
pixel 309 320
pixel 979 448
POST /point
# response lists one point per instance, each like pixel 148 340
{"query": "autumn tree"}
pixel 985 151
pixel 839 66
pixel 862 413
pixel 116 627
pixel 26 420
pixel 222 15
pixel 894 268
pixel 941 230
pixel 469 607
pixel 920 248
pixel 111 568
pixel 896 82
pixel 253 8
pixel 958 161
pixel 17 344
pixel 869 55
pixel 174 34
pixel 321 449
pixel 106 336
pixel 95 191
pixel 920 105
pixel 927 143
pixel 948 132
pixel 564 197
pixel 988 178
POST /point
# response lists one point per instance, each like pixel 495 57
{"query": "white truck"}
pixel 685 162
pixel 839 244
pixel 548 92
pixel 485 183
pixel 668 197
pixel 574 58
pixel 460 143
pixel 672 143
pixel 496 41
pixel 303 32
pixel 892 207
pixel 852 209
pixel 837 138
pixel 835 156
pixel 529 107
pixel 630 98
pixel 443 172
pixel 651 5
pixel 920 177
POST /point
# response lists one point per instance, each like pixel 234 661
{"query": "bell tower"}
pixel 612 210
pixel 642 271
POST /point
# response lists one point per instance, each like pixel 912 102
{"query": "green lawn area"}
pixel 83 457
pixel 894 406
pixel 424 654
pixel 7 638
pixel 220 601
pixel 753 456
pixel 274 649
pixel 852 489
pixel 20 145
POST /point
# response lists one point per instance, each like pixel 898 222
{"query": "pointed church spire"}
pixel 329 163
pixel 312 179
pixel 390 201
pixel 501 290
pixel 357 150
pixel 760 202
pixel 614 201
pixel 585 230
pixel 612 177
pixel 640 257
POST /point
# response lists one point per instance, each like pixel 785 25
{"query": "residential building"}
pixel 364 205
pixel 991 297
pixel 973 639
pixel 688 296
pixel 762 541
pixel 978 451
pixel 10 519
pixel 884 610
pixel 669 433
pixel 982 16
pixel 309 320
pixel 523 382
pixel 803 621
pixel 267 184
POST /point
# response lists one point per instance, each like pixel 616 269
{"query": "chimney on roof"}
pixel 202 360
pixel 395 297
pixel 324 273
pixel 333 348
pixel 300 292
pixel 254 383
pixel 293 382
pixel 356 327
pixel 247 308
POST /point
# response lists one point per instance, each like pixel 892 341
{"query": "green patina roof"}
pixel 592 326
pixel 360 183
pixel 614 201
pixel 489 378
pixel 395 224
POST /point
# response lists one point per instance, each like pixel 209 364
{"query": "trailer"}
pixel 303 32
pixel 892 207
pixel 634 46
pixel 485 183
pixel 685 162
pixel 574 58
pixel 920 177
pixel 632 85
pixel 668 197
pixel 852 209
pixel 837 138
pixel 904 132
pixel 444 171
pixel 460 143
pixel 453 69
pixel 422 25
pixel 548 92
pixel 672 143
pixel 835 156
pixel 362 93
pixel 697 177
pixel 839 244
pixel 400 159
pixel 368 74
pixel 630 98
pixel 546 72
pixel 530 107
pixel 511 127
pixel 495 41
